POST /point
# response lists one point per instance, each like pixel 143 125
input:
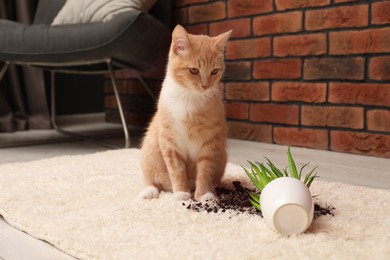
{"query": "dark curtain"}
pixel 23 102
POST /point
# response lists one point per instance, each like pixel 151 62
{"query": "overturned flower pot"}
pixel 285 200
pixel 287 205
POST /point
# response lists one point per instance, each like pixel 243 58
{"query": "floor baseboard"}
pixel 90 125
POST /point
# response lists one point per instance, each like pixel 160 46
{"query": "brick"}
pixel 334 68
pixel 274 113
pixel 138 119
pixel 180 16
pixel 361 143
pixel 247 91
pixel 357 42
pixel 247 131
pixel 346 117
pixel 188 2
pixel 248 7
pixel 379 68
pixel 240 27
pixel 252 48
pixel 378 120
pixel 235 110
pixel 282 5
pixel 277 69
pixel 337 17
pixel 134 87
pixel 110 102
pixel 108 88
pixel 345 1
pixel 300 45
pixel 311 138
pixel 121 85
pixel 139 104
pixel 133 119
pixel 197 29
pixel 299 91
pixel 380 13
pixel 240 70
pixel 207 12
pixel 278 23
pixel 359 93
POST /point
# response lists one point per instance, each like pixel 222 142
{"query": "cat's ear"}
pixel 180 41
pixel 221 40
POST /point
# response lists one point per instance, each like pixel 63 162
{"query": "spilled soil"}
pixel 236 201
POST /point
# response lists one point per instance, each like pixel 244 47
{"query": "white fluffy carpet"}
pixel 87 206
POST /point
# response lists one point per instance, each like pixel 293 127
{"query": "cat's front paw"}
pixel 182 195
pixel 209 196
pixel 149 192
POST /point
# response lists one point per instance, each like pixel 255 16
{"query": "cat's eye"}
pixel 214 71
pixel 194 71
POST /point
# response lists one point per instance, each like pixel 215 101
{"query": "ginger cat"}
pixel 184 148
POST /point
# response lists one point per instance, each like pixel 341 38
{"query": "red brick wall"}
pixel 137 104
pixel 311 73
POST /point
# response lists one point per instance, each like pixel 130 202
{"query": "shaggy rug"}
pixel 88 207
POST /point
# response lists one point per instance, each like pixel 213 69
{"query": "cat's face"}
pixel 197 61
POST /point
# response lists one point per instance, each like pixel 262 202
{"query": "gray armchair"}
pixel 131 40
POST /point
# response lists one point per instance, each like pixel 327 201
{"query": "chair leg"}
pixel 146 87
pixel 53 100
pixel 3 70
pixel 120 108
pixel 66 132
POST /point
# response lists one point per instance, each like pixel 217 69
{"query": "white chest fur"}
pixel 181 104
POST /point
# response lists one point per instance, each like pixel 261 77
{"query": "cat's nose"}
pixel 205 86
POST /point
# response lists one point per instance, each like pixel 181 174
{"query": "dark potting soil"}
pixel 237 201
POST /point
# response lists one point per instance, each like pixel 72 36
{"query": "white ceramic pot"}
pixel 287 205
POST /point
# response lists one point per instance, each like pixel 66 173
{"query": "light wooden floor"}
pixel 347 168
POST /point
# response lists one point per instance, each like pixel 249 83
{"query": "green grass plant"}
pixel 261 174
